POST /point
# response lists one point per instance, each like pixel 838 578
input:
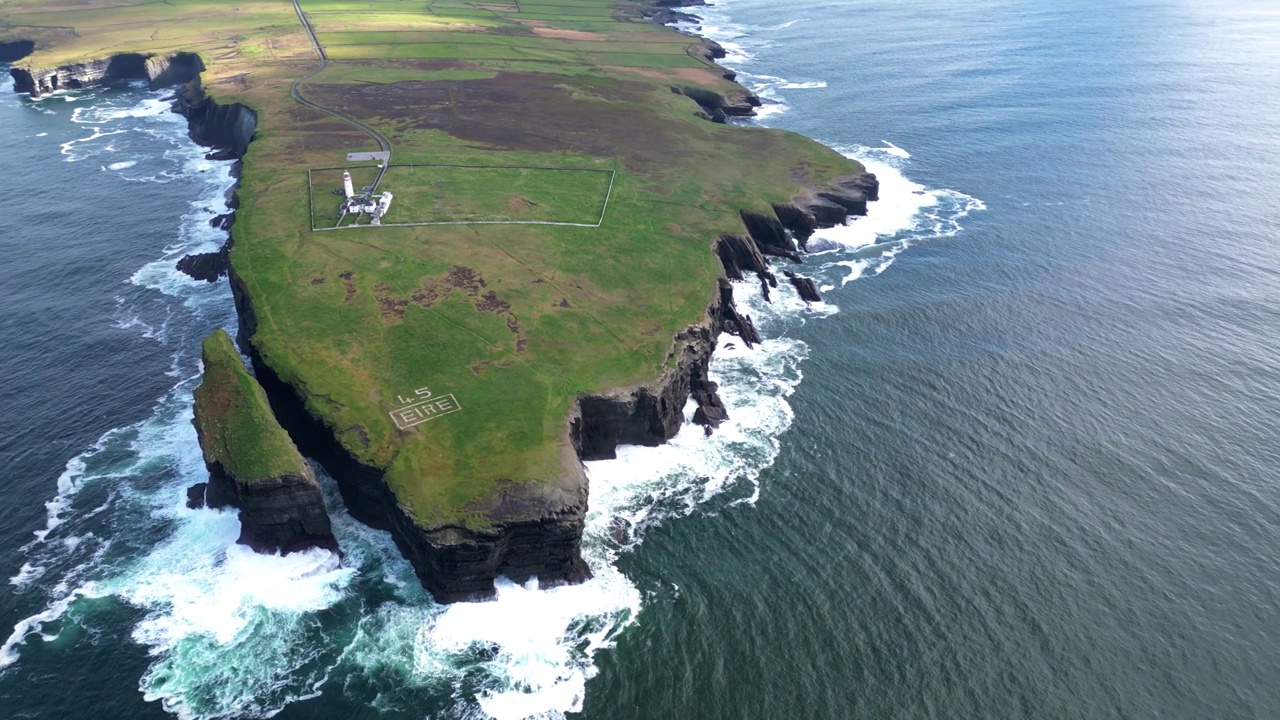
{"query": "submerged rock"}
pixel 205 266
pixel 804 286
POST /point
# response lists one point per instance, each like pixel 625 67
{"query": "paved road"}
pixel 381 139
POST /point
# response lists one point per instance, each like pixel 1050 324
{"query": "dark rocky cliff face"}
pixel 281 514
pixel 158 70
pixel 226 127
pixel 652 413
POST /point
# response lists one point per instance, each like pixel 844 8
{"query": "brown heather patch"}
pixel 348 286
pixel 560 34
pixel 495 112
pixel 699 76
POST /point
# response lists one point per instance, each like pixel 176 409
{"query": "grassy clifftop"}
pixel 501 326
pixel 237 428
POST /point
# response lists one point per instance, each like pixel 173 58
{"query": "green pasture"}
pixel 452 194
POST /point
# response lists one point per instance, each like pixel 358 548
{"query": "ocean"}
pixel 1021 462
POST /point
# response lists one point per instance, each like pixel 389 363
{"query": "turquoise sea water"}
pixel 1021 464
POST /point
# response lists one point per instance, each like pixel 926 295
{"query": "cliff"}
pixel 253 465
pixel 536 529
pixel 158 70
pixel 227 128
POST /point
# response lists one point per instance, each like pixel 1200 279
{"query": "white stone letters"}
pixel 421 407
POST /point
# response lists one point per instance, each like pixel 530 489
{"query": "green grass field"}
pixel 516 321
pixel 461 194
pixel 238 429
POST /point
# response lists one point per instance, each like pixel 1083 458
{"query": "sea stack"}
pixel 253 464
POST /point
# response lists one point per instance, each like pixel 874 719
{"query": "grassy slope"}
pixel 572 83
pixel 237 427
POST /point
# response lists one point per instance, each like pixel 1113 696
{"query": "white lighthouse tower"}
pixel 347 187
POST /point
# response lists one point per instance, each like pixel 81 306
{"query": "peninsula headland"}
pixel 550 281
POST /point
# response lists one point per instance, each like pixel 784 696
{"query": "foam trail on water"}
pixel 75 154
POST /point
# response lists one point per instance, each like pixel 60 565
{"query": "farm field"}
pixel 440 194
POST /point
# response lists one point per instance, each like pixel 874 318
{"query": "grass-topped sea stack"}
pixel 550 281
pixel 253 465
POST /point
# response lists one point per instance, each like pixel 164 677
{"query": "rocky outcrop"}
pixel 717 107
pixel 223 221
pixel 801 223
pixel 652 413
pixel 832 204
pixel 665 14
pixel 207 266
pixel 253 464
pixel 741 256
pixel 769 235
pixel 734 322
pixel 15 50
pixel 804 286
pixel 225 127
pixel 210 266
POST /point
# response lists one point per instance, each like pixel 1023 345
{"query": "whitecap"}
pixel 891 149
pixel 34 625
pixel 813 85
pixel 26 574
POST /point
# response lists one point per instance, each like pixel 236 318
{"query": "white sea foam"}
pixel 26 574
pixel 907 212
pixel 73 151
pixel 104 113
pixel 534 649
pixel 893 150
pixel 34 625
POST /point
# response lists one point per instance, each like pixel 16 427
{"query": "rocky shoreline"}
pixel 533 529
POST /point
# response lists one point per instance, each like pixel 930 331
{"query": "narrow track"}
pixel 381 139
